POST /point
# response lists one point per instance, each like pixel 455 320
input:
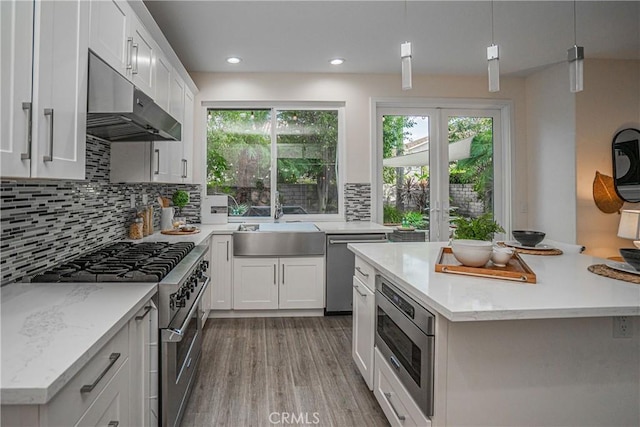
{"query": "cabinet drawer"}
pixel 365 273
pixel 394 399
pixel 111 406
pixel 70 402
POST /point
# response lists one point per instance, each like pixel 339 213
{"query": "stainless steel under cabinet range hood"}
pixel 119 111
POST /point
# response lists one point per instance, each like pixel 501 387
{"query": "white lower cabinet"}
pixel 393 397
pixel 115 388
pixel 272 283
pixel 364 323
pixel 221 250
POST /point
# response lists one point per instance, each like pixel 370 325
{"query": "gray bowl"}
pixel 528 237
pixel 631 257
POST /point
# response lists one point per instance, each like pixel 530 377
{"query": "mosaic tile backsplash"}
pixel 45 222
pixel 357 201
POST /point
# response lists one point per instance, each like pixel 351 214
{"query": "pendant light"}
pixel 575 56
pixel 493 60
pixel 405 57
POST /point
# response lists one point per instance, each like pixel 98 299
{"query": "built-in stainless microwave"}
pixel 405 335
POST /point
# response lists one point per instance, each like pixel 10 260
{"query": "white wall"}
pixel 609 102
pixel 356 91
pixel 551 154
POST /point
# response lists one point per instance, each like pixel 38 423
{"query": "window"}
pixel 435 163
pixel 258 155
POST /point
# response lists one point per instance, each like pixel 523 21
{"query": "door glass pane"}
pixel 405 174
pixel 307 147
pixel 471 166
pixel 239 159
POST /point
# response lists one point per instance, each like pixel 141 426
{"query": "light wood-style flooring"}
pixel 256 372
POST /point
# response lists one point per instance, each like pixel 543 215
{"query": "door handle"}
pixel 274 275
pixel 184 168
pixel 283 274
pixel 227 250
pixel 157 171
pixel 26 106
pixel 129 53
pixel 89 387
pixel 358 291
pixel 400 417
pixel 135 70
pixel 49 158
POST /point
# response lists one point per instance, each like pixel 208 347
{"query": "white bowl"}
pixel 472 253
pixel 500 256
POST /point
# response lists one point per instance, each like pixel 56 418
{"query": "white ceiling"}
pixel 448 37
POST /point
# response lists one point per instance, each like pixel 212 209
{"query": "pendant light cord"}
pixel 492 37
pixel 575 37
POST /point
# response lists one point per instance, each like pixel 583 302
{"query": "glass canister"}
pixel 135 229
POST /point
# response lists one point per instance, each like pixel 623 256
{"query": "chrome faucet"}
pixel 278 207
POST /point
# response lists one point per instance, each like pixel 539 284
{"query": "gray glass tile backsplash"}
pixel 45 222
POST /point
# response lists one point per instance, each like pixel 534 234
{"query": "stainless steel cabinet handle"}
pixel 358 291
pixel 49 112
pixel 274 275
pixel 400 417
pixel 344 242
pixel 283 274
pixel 89 387
pixel 27 106
pixel 129 53
pixel 184 168
pixel 113 424
pixel 157 171
pixel 227 250
pixel 135 70
pixel 147 309
pixel 361 272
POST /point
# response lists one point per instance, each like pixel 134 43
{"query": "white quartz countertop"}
pixel 206 230
pixel 50 331
pixel 564 288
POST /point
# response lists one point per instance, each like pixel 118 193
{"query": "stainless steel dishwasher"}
pixel 339 269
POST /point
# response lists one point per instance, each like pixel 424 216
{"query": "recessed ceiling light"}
pixel 337 61
pixel 234 60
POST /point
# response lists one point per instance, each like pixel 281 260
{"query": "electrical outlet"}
pixel 622 327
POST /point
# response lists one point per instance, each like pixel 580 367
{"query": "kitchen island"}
pixel 509 353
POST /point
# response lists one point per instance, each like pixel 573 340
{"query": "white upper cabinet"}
pixel 163 81
pixel 16 33
pixel 142 48
pixel 58 75
pixel 187 136
pixel 110 32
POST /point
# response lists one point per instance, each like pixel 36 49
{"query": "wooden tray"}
pixel 180 232
pixel 516 270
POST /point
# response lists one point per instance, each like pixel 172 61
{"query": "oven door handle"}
pixel 176 335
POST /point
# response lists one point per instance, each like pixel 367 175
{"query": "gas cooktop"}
pixel 120 262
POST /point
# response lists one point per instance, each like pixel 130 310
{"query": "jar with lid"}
pixel 135 229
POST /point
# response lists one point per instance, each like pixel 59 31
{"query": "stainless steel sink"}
pixel 278 239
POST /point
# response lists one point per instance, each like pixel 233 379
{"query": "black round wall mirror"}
pixel 626 164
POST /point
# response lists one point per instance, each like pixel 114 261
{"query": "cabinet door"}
pixel 109 32
pixel 302 282
pixel 255 283
pixel 163 81
pixel 176 109
pixel 187 136
pixel 60 89
pixel 16 34
pixel 161 159
pixel 142 58
pixel 363 330
pixel 221 253
pixel 143 361
pixel 111 407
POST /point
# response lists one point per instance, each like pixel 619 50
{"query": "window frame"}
pixel 503 151
pixel 283 106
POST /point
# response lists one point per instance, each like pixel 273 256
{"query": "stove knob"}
pixel 182 302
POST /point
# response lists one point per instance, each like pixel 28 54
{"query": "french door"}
pixel 435 164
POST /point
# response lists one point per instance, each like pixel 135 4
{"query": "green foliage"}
pixel 481 228
pixel 394 131
pixel 415 219
pixel 180 199
pixel 391 215
pixel 238 210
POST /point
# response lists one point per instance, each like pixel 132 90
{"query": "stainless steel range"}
pixel 179 269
